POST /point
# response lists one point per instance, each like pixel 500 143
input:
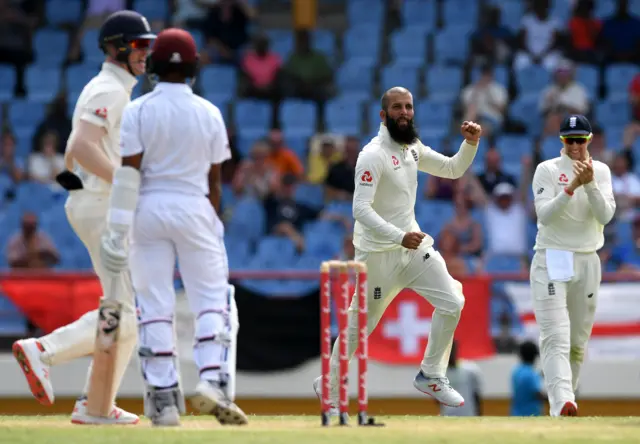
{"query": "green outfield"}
pixel 306 430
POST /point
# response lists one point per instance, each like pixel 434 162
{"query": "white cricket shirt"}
pixel 101 103
pixel 180 135
pixel 573 223
pixel 386 181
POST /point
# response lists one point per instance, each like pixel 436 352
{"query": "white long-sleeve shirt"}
pixel 386 182
pixel 573 223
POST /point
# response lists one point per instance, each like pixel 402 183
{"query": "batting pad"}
pixel 123 199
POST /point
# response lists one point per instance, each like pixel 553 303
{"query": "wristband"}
pixel 568 191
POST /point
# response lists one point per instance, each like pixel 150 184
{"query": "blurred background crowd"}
pixel 299 85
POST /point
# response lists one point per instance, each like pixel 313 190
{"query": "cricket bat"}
pixel 101 387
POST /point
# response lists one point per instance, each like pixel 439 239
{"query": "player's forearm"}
pixel 546 211
pixel 451 167
pixel 92 159
pixel 603 208
pixel 363 213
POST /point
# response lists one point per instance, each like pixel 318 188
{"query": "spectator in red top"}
pixel 260 70
pixel 584 29
pixel 632 130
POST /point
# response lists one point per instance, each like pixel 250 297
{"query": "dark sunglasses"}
pixel 572 140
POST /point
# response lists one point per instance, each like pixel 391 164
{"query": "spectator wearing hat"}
pixel 506 223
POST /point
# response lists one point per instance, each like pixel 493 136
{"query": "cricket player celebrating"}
pixel 574 201
pixel 166 195
pixel 93 152
pixel 388 240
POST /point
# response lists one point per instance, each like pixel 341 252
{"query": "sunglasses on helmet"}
pixel 140 43
pixel 570 140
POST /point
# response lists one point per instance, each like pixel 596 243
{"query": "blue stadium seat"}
pixel 617 78
pixel 50 47
pixel 500 75
pixel 282 42
pixel 90 47
pixel 43 84
pixel 561 11
pixel 604 8
pixel 399 75
pixel 363 44
pixel 365 12
pixel 532 80
pixel 299 144
pixel 36 197
pixel 77 77
pixel 451 45
pixel 355 80
pixel 63 12
pixel 220 81
pixel 589 76
pixel 152 9
pixel 247 219
pixel 512 148
pixel 26 114
pixel 343 116
pixel 512 12
pixel 325 42
pixel 7 82
pixel 550 147
pixel 524 109
pixel 409 47
pixel 311 195
pixel 460 13
pixel 252 117
pixel 612 113
pixel 247 138
pixel 419 12
pixel 443 82
pixel 502 263
pixel 298 117
pixel 280 250
pixel 433 114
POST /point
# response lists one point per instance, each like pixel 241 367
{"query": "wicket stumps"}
pixel 334 281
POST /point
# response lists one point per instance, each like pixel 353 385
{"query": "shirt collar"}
pixel 173 87
pixel 124 77
pixel 383 133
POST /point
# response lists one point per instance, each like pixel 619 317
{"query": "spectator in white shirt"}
pixel 626 187
pixel 506 223
pixel 45 164
pixel 539 38
pixel 485 102
pixel 563 97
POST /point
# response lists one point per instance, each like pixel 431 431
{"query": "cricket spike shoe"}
pixel 439 389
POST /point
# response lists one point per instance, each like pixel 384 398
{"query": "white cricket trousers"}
pixel 564 312
pixel 167 227
pixel 87 214
pixel 423 271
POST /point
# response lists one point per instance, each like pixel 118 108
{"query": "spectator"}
pixel 506 223
pixel 626 188
pixel 626 255
pixel 31 248
pixel 564 96
pixel 493 173
pixel 46 163
pixel 57 120
pixel 584 30
pixel 285 216
pixel 598 147
pixel 309 74
pixel 9 164
pixel 16 32
pixel 526 383
pixel 449 249
pixel 465 377
pixel 261 71
pixel 321 158
pixel 539 38
pixel 504 341
pixel 256 176
pixel 485 102
pixel 282 157
pixel 340 182
pixel 492 43
pixel 190 13
pixel 620 36
pixel 227 31
pixel 632 130
pixel 466 230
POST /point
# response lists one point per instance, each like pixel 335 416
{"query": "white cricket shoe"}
pixel 333 401
pixel 439 389
pixel 210 399
pixel 116 417
pixel 28 352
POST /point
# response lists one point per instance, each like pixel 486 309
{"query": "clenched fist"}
pixel 471 131
pixel 412 240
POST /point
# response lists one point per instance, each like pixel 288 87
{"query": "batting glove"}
pixel 113 253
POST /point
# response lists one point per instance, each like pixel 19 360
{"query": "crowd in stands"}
pixel 300 104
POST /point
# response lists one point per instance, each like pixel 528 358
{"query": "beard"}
pixel 403 135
